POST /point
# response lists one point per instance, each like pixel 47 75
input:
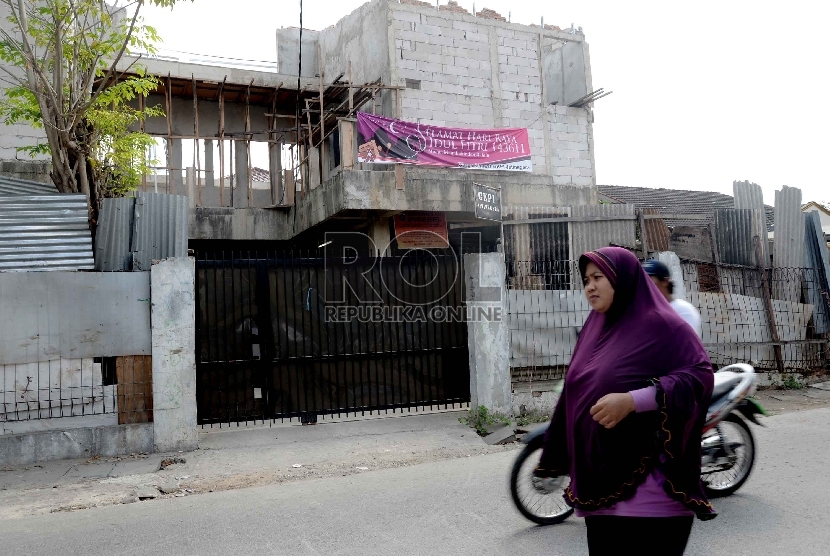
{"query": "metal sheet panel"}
pixel 44 232
pixel 657 232
pixel 788 246
pixel 588 236
pixel 161 224
pixel 818 274
pixel 733 228
pixel 749 196
pixel 135 231
pixel 65 315
pixel 113 238
pixel 14 186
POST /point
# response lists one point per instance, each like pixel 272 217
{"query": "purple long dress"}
pixel 639 342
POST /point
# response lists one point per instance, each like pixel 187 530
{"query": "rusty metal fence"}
pixel 120 387
pixel 742 320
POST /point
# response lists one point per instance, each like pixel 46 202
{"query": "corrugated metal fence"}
pixel 133 232
pixel 44 232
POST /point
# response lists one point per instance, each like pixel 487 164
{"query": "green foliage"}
pixel 790 382
pixel 532 418
pixel 61 56
pixel 479 417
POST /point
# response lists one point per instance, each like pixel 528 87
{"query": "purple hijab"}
pixel 640 341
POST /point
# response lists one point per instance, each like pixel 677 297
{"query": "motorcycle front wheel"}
pixel 538 500
pixel 733 458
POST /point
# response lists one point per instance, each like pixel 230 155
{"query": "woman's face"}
pixel 598 289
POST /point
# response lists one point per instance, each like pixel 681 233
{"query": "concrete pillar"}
pixel 275 169
pixel 348 149
pixel 190 182
pixel 173 312
pixel 313 168
pixel 209 177
pixel 488 338
pixel 379 233
pixel 240 174
pixel 175 183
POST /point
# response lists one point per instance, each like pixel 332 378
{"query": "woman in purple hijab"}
pixel 628 424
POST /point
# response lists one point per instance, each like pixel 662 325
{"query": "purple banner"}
pixel 387 141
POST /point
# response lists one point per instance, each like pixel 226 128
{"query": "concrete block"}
pixel 564 153
pixel 401 15
pixel 506 50
pixel 585 155
pixel 518 61
pixel 456 70
pixel 417 55
pixel 525 53
pixel 515 43
pixel 402 26
pixel 428 29
pixel 439 40
pixel 579 180
pixel 437 21
pixel 466 26
pixel 531 71
pixel 480 92
pixel 470 118
pixel 504 435
pixel 561 180
pixel 575 128
pixel 579 163
pixel 477 37
pixel 485 65
pixel 586 172
pixel 463 62
pixel 454 34
pixel 405 64
pixel 565 171
pixel 428 47
pixel 557 127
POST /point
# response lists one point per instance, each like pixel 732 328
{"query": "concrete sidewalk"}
pixel 241 457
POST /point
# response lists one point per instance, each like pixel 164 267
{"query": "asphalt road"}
pixel 450 507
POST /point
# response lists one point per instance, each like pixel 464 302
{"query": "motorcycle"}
pixel 727 450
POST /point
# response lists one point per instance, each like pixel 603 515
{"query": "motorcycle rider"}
pixel 659 274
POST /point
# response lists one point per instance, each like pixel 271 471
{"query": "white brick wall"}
pixel 452 59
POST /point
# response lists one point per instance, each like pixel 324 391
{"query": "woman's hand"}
pixel 612 408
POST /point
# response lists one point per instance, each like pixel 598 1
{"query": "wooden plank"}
pixel 141 106
pixel 221 142
pixel 134 378
pixel 250 184
pixel 288 184
pixel 779 359
pixel 643 233
pixel 168 101
pixel 196 148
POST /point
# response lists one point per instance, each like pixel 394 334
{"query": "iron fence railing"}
pixel 747 315
pixel 117 386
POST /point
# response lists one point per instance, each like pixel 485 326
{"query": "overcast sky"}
pixel 705 92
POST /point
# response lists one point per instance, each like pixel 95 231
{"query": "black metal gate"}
pixel 281 336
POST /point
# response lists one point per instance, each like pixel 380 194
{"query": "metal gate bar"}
pixel 267 349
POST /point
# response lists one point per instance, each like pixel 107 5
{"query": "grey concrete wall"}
pixel 33 170
pixel 360 38
pixel 288 51
pixel 53 315
pixel 488 341
pixel 174 355
pixel 26 449
pixel 484 73
pixel 424 189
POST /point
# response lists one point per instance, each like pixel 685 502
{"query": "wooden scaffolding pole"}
pixel 196 149
pixel 221 96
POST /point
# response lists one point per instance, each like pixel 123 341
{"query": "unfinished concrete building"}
pixel 401 59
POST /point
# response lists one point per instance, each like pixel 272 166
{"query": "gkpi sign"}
pixel 487 202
